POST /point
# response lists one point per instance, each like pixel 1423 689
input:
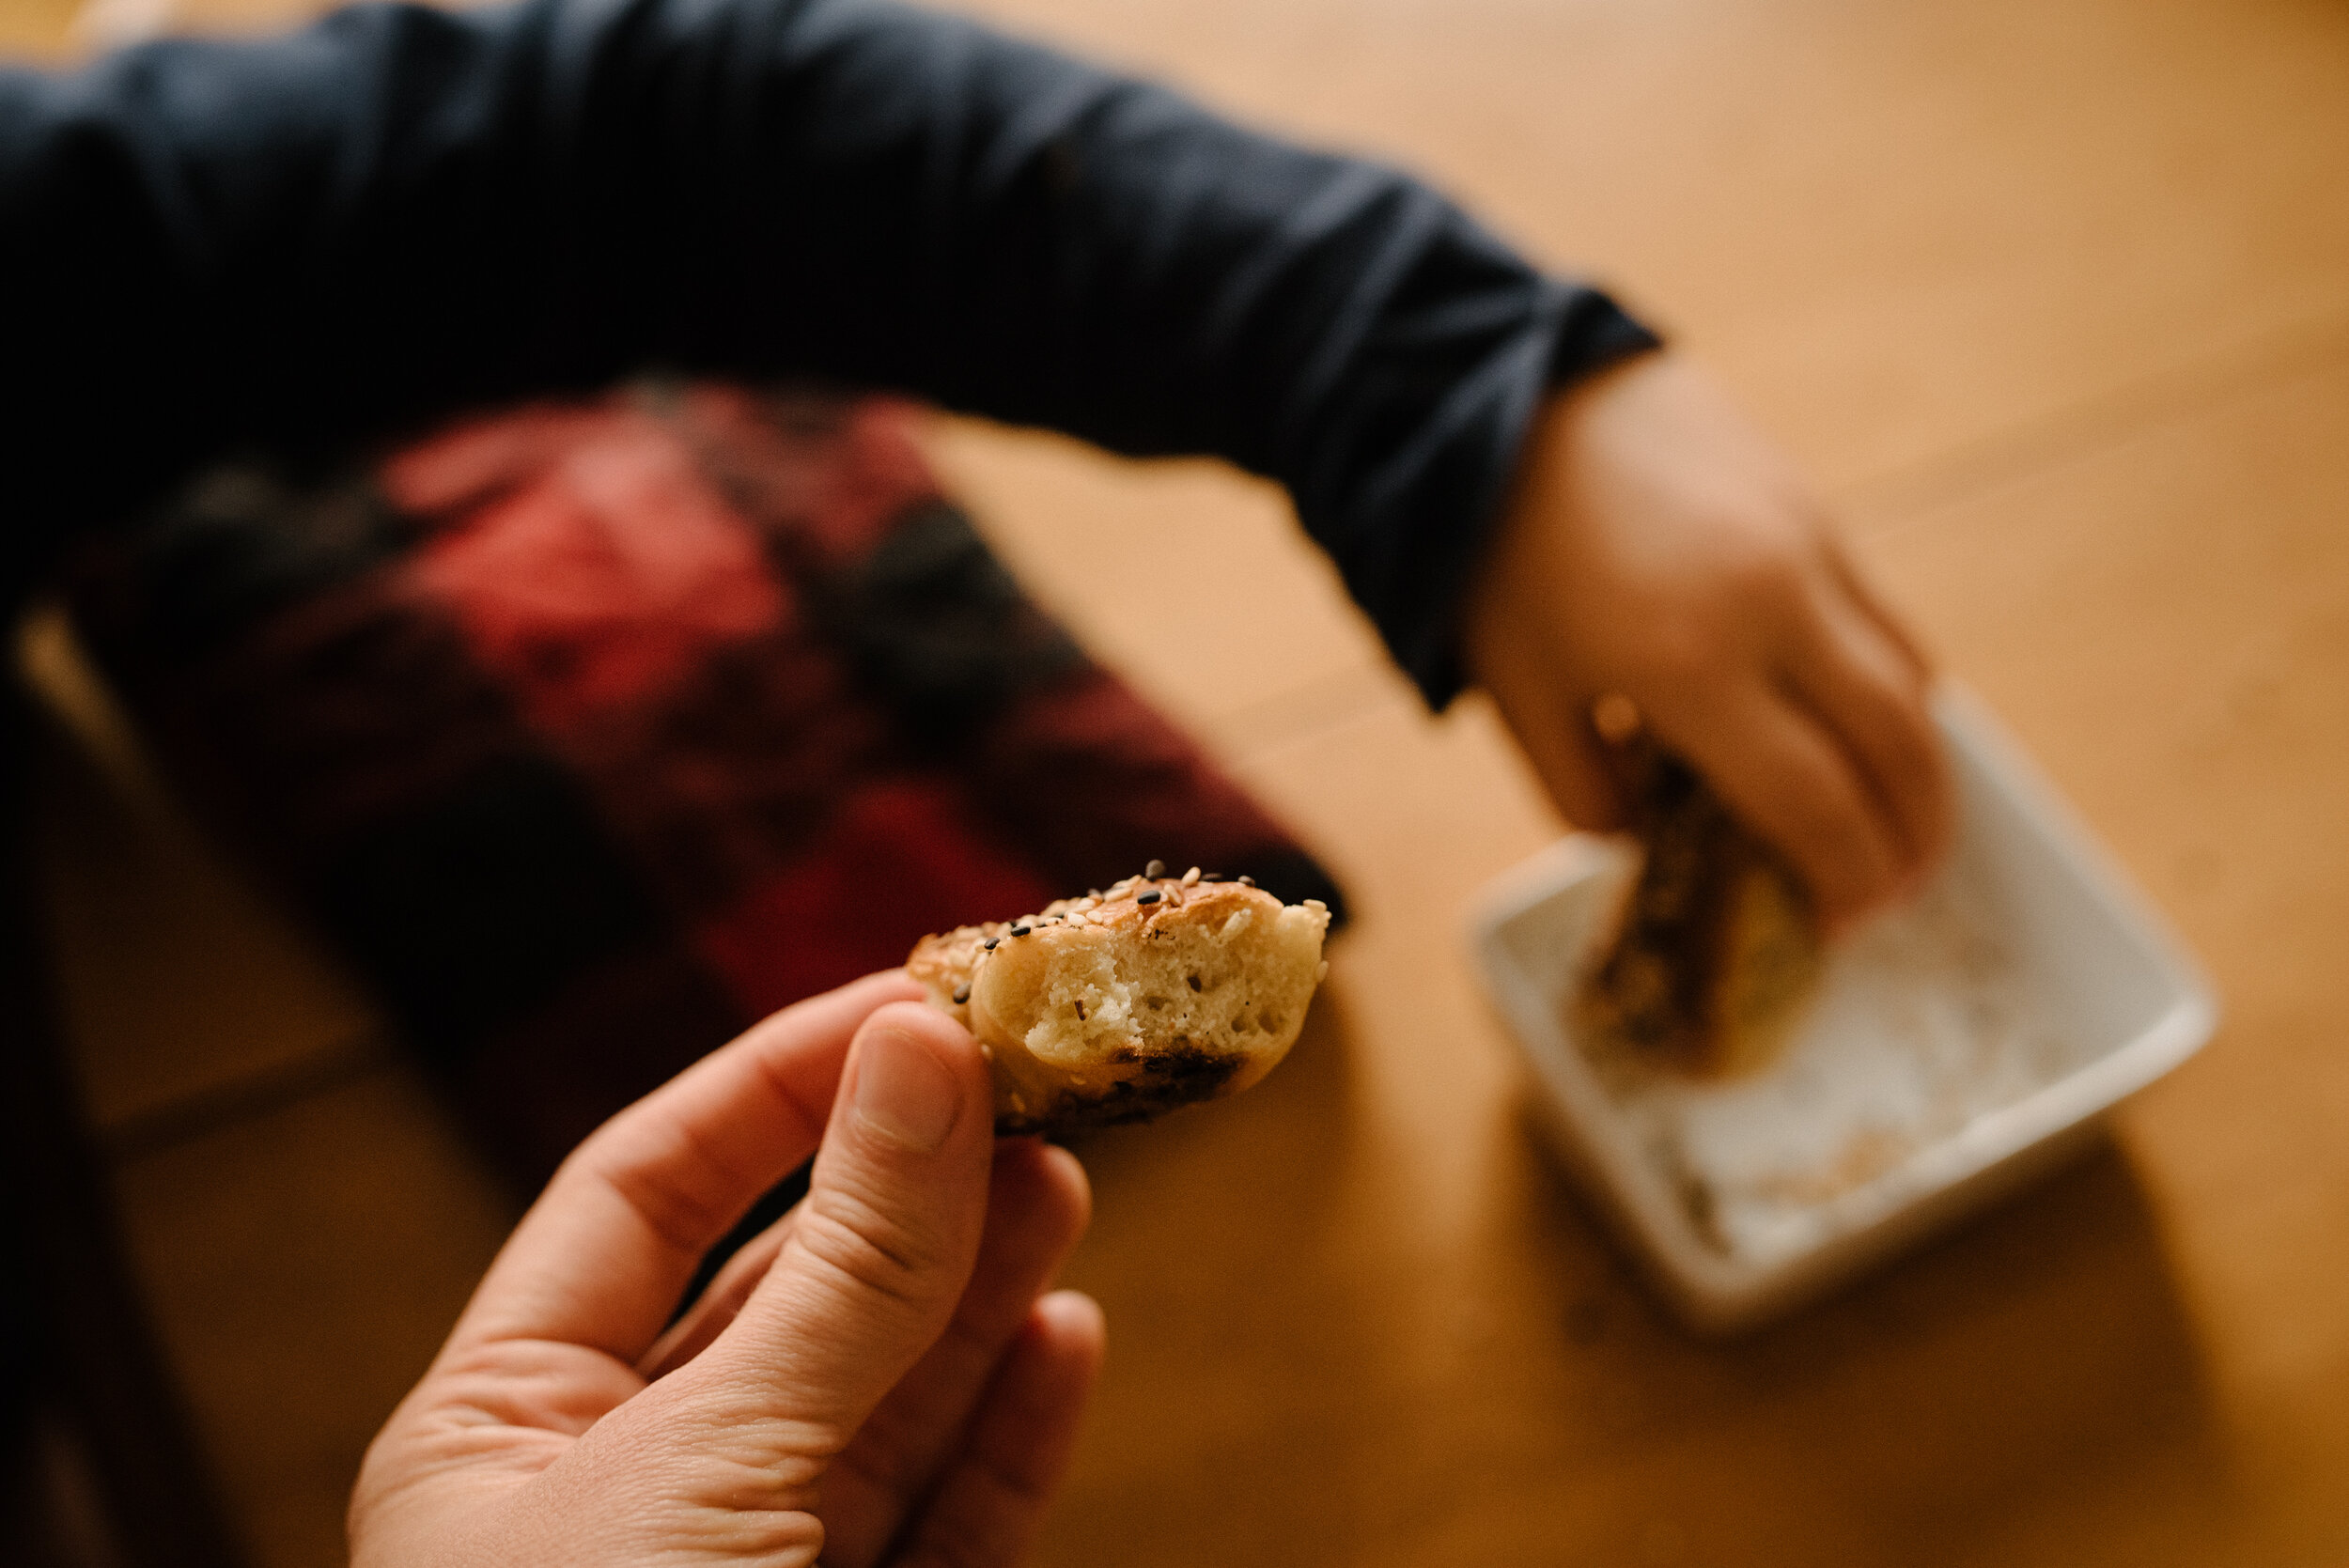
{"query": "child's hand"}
pixel 1659 550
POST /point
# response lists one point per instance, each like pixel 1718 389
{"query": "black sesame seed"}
pixel 962 996
pixel 1154 870
pixel 1020 930
pixel 989 943
pixel 1150 897
pixel 1211 876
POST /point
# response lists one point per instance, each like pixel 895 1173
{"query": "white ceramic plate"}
pixel 1956 1049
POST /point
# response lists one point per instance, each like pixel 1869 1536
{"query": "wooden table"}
pixel 2053 298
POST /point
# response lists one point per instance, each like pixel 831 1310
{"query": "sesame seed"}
pixel 1190 878
pixel 1248 881
pixel 1316 905
pixel 962 996
pixel 1154 870
pixel 989 943
pixel 1020 930
pixel 1212 877
pixel 1150 897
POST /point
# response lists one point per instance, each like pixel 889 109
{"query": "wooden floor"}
pixel 2052 296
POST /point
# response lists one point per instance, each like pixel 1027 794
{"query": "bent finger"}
pixel 1554 730
pixel 1037 1206
pixel 1889 626
pixel 1868 695
pixel 1574 767
pixel 1785 777
pixel 987 1509
pixel 602 1258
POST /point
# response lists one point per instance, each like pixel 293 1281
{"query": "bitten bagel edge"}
pixel 1122 1004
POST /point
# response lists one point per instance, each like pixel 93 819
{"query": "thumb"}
pixel 881 1249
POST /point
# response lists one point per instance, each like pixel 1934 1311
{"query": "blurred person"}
pixel 295 245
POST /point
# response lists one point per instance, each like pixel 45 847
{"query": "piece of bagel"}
pixel 1718 954
pixel 1123 1004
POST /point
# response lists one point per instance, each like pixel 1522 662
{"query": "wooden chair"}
pixel 88 1358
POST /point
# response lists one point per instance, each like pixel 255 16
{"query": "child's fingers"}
pixel 1786 778
pixel 1575 766
pixel 1552 724
pixel 1874 701
pixel 1855 588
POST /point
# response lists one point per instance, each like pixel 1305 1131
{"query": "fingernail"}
pixel 903 1093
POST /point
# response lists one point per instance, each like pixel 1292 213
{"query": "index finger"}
pixel 602 1258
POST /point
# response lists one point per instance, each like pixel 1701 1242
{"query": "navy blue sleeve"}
pixel 332 237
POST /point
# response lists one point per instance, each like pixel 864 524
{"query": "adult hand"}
pixel 878 1379
pixel 1659 549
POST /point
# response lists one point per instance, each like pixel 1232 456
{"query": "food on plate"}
pixel 1122 1004
pixel 1717 953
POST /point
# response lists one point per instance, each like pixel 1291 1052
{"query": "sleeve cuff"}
pixel 1582 331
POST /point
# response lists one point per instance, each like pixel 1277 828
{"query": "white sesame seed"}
pixel 1316 905
pixel 1190 878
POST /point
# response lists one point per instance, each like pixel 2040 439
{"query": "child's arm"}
pixel 1659 549
pixel 308 242
pixel 294 244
